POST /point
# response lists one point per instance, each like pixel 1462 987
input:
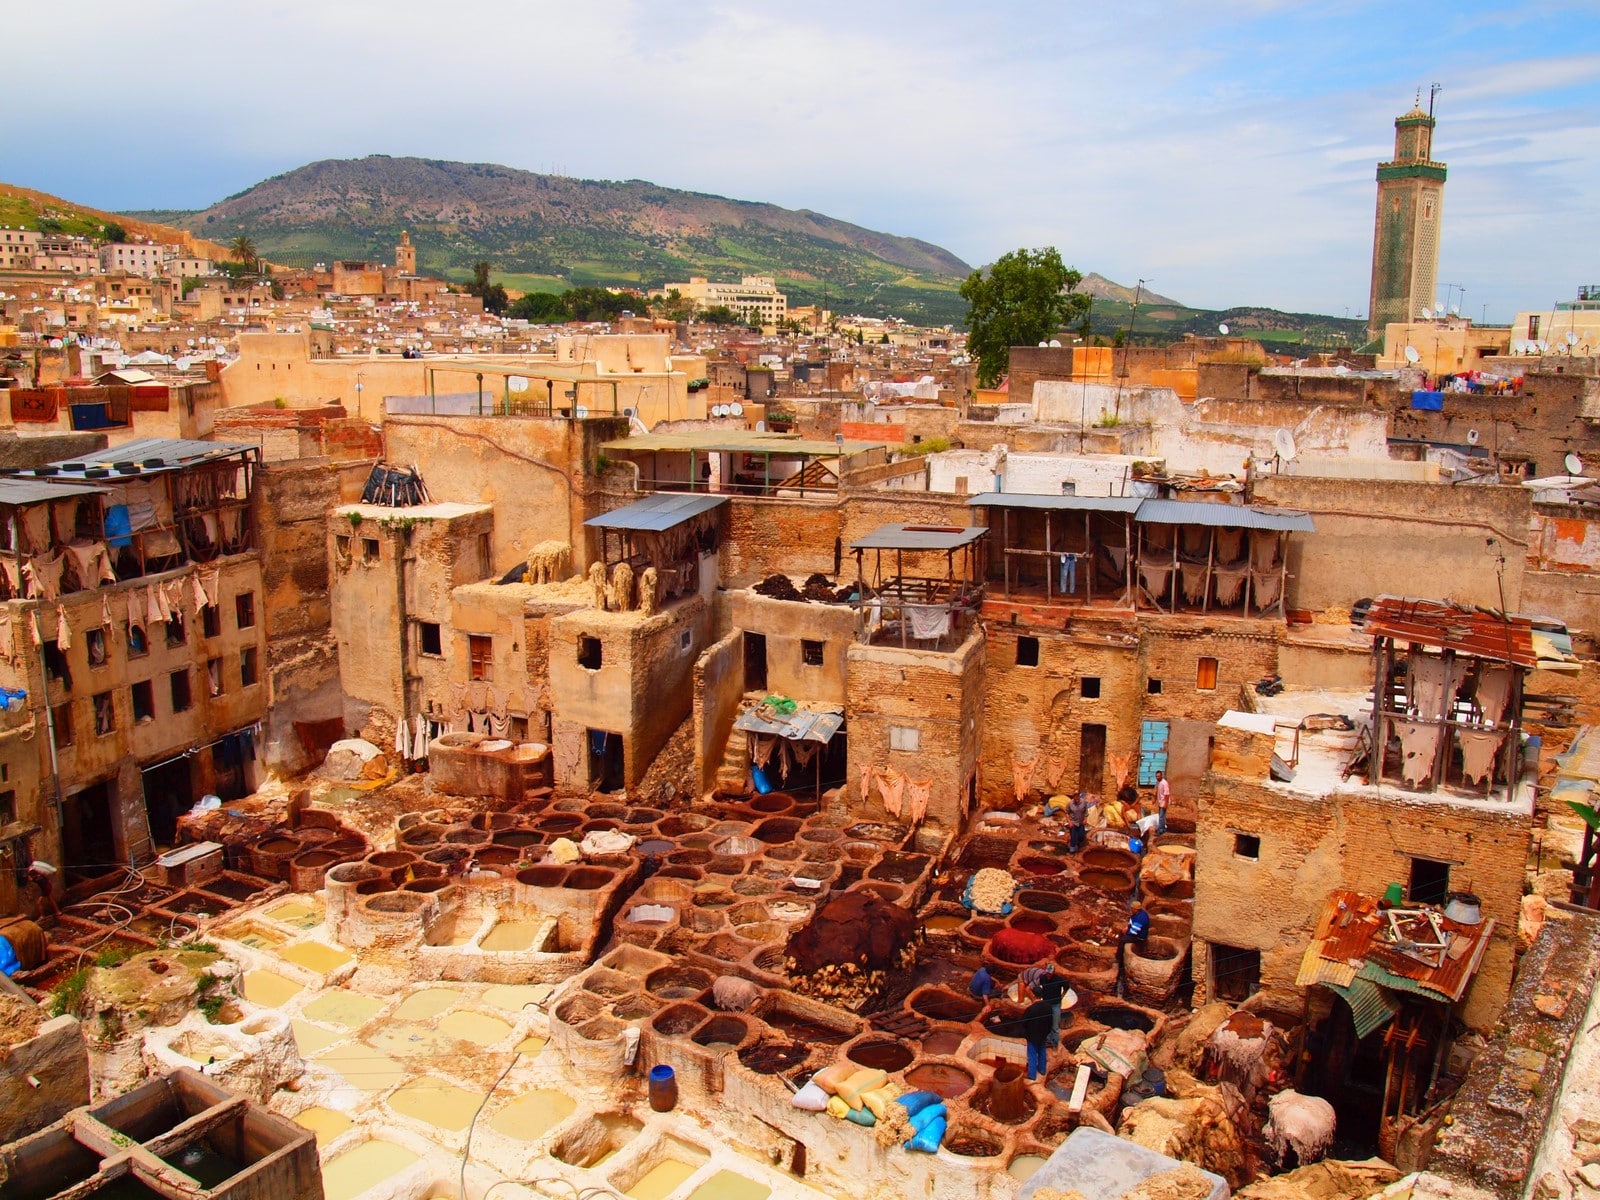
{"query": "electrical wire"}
pixel 466 1151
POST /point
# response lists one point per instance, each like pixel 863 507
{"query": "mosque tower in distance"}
pixel 405 256
pixel 1405 235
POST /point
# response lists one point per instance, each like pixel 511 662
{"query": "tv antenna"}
pixel 1433 90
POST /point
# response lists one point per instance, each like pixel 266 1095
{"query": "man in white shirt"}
pixel 1163 795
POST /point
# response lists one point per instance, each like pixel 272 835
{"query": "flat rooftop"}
pixel 738 441
pixel 1324 754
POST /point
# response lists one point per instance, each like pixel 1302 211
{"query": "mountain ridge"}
pixel 544 232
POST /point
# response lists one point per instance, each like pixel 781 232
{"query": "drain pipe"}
pixel 402 544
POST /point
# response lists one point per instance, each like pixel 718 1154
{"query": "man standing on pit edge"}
pixel 1163 795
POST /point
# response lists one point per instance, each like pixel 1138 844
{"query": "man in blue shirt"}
pixel 1137 932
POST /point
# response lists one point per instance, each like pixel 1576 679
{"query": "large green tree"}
pixel 493 295
pixel 1025 298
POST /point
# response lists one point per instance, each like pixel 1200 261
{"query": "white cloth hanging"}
pixel 63 630
pixel 419 737
pixel 402 738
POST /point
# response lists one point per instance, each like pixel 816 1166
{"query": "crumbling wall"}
pixel 718 687
pixel 55 1060
pixel 786 624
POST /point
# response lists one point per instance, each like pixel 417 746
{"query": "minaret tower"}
pixel 1405 235
pixel 405 256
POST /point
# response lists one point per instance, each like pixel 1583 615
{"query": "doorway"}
pixel 87 842
pixel 1091 758
pixel 605 761
pixel 755 662
pixel 168 794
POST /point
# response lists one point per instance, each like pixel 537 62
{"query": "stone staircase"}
pixel 734 773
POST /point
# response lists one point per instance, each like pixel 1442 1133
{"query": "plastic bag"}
pixel 915 1102
pixel 927 1141
pixel 830 1079
pixel 864 1080
pixel 877 1101
pixel 934 1112
pixel 861 1116
pixel 810 1098
pixel 837 1108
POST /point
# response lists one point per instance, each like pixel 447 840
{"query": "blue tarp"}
pixel 1431 401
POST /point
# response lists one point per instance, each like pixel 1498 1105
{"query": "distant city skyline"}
pixel 1225 154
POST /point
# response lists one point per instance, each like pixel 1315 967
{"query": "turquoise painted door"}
pixel 1152 751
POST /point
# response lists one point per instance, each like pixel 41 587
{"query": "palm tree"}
pixel 244 251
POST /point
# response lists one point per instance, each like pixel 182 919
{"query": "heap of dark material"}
pixel 394 487
pixel 819 587
pixel 778 587
pixel 858 928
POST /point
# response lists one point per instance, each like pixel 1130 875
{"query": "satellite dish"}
pixel 1283 444
pixel 581 412
pixel 1455 310
pixel 517 383
pixel 1472 437
pixel 736 409
pixel 1543 345
pixel 1572 338
pixel 1412 356
pixel 1427 314
pixel 1044 345
pixel 629 413
pixel 1438 307
pixel 1223 329
pixel 1574 464
pixel 1056 345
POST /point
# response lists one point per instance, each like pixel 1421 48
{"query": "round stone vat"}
pixel 881 1054
pixel 972 1141
pixel 898 867
pixel 375 887
pixel 517 838
pixel 1115 882
pixel 587 879
pixel 943 1039
pixel 1121 1016
pixel 1011 1104
pixel 776 831
pixel 942 1004
pixel 542 876
pixel 943 1079
pixel 772 802
pixel 1032 923
pixel 680 824
pixel 1109 858
pixel 678 1019
pixel 770 1056
pixel 724 1029
pixel 678 982
pixel 689 858
pixel 1043 902
pixel 1037 864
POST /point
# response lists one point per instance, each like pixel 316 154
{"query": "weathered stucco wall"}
pixel 936 695
pixel 786 624
pixel 1416 539
pixel 718 688
pixel 1358 839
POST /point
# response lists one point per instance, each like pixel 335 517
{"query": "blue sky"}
pixel 1224 151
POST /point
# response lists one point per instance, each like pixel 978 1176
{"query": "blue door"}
pixel 1152 751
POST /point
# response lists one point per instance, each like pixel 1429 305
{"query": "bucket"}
pixel 663 1089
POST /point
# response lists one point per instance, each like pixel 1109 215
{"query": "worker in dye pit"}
pixel 1077 822
pixel 42 875
pixel 982 985
pixel 1033 1026
pixel 1136 934
pixel 1041 982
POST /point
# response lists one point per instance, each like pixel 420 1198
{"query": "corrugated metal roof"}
pixel 1113 504
pixel 1348 943
pixel 27 489
pixel 1370 1006
pixel 919 537
pixel 657 512
pixel 171 453
pixel 802 725
pixel 1226 516
pixel 1446 626
pixel 737 441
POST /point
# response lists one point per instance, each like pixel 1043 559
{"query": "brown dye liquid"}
pixel 802 1030
pixel 945 922
pixel 940 1079
pixel 946 1041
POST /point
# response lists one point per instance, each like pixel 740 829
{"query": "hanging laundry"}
pixel 136 609
pixel 1419 743
pixel 420 737
pixel 1230 584
pixel 105 611
pixel 1493 691
pixel 197 594
pixel 891 787
pixel 761 748
pixel 865 793
pixel 163 610
pixel 1022 776
pixel 917 793
pixel 929 622
pixel 63 630
pixel 210 578
pixel 402 738
pixel 1478 750
pixel 499 727
pixel 173 590
pixel 45 574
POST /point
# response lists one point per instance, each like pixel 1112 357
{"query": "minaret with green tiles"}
pixel 1405 235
